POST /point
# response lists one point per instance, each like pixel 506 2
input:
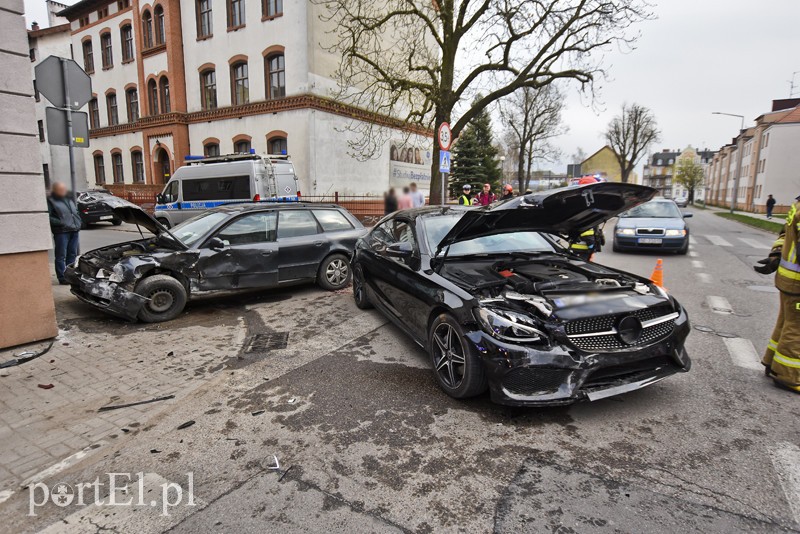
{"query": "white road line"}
pixel 743 353
pixel 693 254
pixel 705 278
pixel 692 241
pixel 786 461
pixel 754 243
pixel 719 305
pixel 697 264
pixel 719 241
pixel 5 495
pixel 63 464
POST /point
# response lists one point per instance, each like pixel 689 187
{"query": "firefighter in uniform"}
pixel 588 243
pixel 464 199
pixel 782 358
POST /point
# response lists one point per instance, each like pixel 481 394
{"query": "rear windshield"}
pixel 436 228
pixel 226 188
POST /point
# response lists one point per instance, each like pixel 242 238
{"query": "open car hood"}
pixel 133 214
pixel 566 211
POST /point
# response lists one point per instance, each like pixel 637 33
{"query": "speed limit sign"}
pixel 445 136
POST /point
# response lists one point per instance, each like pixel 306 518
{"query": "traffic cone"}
pixel 658 274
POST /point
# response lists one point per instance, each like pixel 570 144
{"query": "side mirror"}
pixel 688 215
pixel 160 199
pixel 400 250
pixel 216 243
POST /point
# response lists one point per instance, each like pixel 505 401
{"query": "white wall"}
pixel 781 176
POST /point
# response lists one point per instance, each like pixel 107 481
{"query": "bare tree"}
pixel 532 118
pixel 423 61
pixel 630 134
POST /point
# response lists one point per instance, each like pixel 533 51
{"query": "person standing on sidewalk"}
pixel 486 196
pixel 417 196
pixel 770 206
pixel 389 202
pixel 65 223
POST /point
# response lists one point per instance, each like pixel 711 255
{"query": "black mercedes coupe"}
pixel 498 302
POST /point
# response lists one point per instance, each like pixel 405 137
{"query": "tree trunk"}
pixel 521 170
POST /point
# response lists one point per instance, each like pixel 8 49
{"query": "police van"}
pixel 208 182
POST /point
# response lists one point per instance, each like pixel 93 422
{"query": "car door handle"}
pixel 319 243
pixel 266 252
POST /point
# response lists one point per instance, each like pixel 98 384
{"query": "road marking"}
pixel 693 254
pixel 719 305
pixel 705 278
pixel 692 241
pixel 719 241
pixel 5 495
pixel 786 461
pixel 697 264
pixel 63 464
pixel 743 353
pixel 754 243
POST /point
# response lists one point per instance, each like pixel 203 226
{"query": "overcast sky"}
pixel 698 56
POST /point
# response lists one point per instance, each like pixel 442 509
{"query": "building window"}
pixel 123 4
pixel 46 172
pixel 205 26
pixel 116 168
pixel 158 14
pixel 94 113
pixel 211 149
pixel 113 113
pixel 276 77
pixel 278 145
pixel 32 54
pixel 208 89
pixel 240 90
pixel 147 29
pixel 126 36
pixel 235 13
pixel 164 93
pixel 99 170
pixel 106 51
pixel 36 95
pixel 102 12
pixel 241 147
pixel 40 125
pixel 152 94
pixel 88 57
pixel 272 8
pixel 132 98
pixel 137 164
pixel 83 21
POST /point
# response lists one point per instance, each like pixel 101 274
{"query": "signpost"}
pixel 445 137
pixel 68 88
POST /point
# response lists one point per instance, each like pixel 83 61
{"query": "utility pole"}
pixel 739 150
pixel 792 84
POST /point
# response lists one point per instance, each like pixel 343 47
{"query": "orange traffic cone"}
pixel 658 273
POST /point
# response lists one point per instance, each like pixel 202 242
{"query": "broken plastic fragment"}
pixel 187 424
pixel 46 386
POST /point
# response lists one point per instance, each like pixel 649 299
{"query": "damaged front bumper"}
pixel 525 376
pixel 106 295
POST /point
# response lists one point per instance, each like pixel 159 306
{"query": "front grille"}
pixel 534 381
pixel 649 231
pixel 605 342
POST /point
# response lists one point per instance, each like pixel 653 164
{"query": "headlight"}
pixel 675 233
pixel 510 326
pixel 626 231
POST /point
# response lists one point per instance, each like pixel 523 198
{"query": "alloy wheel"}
pixel 336 272
pixel 448 356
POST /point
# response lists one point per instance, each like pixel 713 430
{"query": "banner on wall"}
pixel 409 162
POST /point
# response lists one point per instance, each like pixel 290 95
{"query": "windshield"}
pixel 656 210
pixel 189 232
pixel 437 227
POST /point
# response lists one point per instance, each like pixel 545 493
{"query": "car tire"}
pixel 615 247
pixel 167 298
pixel 685 248
pixel 116 221
pixel 334 272
pixel 359 289
pixel 164 222
pixel 458 370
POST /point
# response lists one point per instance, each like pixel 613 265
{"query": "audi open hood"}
pixel 566 211
pixel 133 214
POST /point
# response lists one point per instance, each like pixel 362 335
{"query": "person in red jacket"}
pixel 486 196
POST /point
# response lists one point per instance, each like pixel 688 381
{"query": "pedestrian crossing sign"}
pixel 444 161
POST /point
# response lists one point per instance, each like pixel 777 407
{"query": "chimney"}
pixel 35 26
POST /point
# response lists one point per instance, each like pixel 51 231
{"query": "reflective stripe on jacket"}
pixel 787 279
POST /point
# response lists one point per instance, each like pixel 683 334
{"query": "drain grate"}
pixel 267 342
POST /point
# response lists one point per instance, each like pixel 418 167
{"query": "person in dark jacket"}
pixel 389 202
pixel 770 206
pixel 65 223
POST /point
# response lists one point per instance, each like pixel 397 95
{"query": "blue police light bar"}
pixel 283 152
pixel 193 158
pixel 252 150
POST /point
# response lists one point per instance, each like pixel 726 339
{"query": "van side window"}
pixel 227 188
pixel 332 220
pixel 250 229
pixel 171 192
pixel 296 223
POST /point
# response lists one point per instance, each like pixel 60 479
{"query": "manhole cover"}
pixel 267 342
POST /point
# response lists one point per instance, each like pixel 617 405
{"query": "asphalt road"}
pixel 368 443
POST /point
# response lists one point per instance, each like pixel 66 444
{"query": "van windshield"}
pixel 190 231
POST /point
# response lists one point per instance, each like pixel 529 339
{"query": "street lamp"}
pixel 739 143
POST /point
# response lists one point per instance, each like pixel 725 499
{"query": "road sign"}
pixel 57 77
pixel 444 161
pixel 445 136
pixel 58 131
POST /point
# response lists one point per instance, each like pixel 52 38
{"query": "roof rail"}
pixel 192 160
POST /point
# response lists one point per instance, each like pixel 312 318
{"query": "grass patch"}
pixel 769 226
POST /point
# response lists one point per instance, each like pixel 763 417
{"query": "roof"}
pixel 32 34
pixel 81 7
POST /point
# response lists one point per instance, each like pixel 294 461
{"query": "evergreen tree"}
pixel 475 158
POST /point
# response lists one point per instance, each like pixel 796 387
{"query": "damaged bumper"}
pixel 109 296
pixel 524 376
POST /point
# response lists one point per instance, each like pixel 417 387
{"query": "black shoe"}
pixel 63 283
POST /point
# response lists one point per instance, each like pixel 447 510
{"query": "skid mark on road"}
pixel 786 460
pixel 753 243
pixel 719 305
pixel 743 353
pixel 705 278
pixel 719 241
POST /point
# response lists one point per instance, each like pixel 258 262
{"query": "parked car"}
pixel 239 246
pixel 499 303
pixel 682 202
pixel 656 225
pixel 94 207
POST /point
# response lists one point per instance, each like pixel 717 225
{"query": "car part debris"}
pixel 187 424
pixel 277 466
pixel 154 451
pixel 118 406
pixel 171 353
pixel 292 400
pixel 26 356
pixel 285 472
pixel 258 412
pixel 46 386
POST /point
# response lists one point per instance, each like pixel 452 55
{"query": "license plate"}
pixel 106 217
pixel 649 241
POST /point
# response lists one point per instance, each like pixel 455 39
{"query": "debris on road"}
pixel 118 406
pixel 187 424
pixel 171 353
pixel 277 466
pixel 154 451
pixel 285 472
pixel 258 412
pixel 46 386
pixel 26 357
pixel 292 400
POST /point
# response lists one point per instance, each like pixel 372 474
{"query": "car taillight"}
pixel 299 194
pixel 86 211
pixel 257 198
